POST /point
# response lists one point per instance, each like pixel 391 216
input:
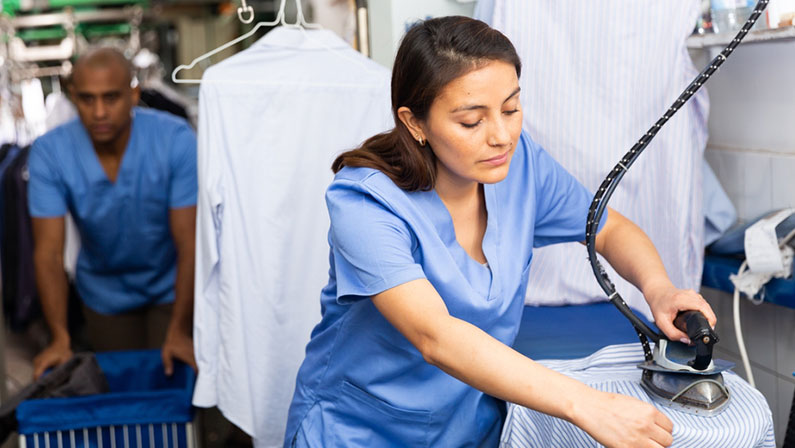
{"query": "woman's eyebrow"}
pixel 480 106
pixel 515 92
pixel 468 107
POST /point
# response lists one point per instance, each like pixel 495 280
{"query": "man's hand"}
pixel 178 345
pixel 57 353
pixel 667 301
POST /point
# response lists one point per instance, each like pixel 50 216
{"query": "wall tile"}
pixel 721 304
pixel 785 392
pixel 756 322
pixel 768 385
pixel 757 185
pixel 759 332
pixel 783 181
pixel 728 167
pixel 785 340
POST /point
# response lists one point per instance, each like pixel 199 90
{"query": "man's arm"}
pixel 179 338
pixel 48 238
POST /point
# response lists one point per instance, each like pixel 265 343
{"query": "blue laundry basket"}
pixel 144 409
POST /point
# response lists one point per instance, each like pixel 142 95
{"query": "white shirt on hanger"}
pixel 272 119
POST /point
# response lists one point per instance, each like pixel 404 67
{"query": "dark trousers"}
pixel 142 328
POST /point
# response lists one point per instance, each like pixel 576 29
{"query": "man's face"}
pixel 104 101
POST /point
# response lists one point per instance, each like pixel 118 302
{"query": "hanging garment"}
pixel 8 153
pixel 156 100
pixel 746 421
pixel 8 123
pixel 60 110
pixel 34 110
pixel 589 90
pixel 20 300
pixel 272 119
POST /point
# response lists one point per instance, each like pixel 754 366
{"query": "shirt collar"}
pixel 306 39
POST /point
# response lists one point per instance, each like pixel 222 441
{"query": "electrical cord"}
pixel 608 186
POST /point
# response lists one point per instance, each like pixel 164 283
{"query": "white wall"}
pixel 752 150
pixel 389 20
pixel 752 126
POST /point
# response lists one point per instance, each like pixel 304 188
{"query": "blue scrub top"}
pixel 362 383
pixel 127 256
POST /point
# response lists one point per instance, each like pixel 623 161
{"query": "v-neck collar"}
pixel 443 222
pixel 95 172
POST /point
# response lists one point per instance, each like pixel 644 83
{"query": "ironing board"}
pixel 595 344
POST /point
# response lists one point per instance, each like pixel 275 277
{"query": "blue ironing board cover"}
pixel 572 331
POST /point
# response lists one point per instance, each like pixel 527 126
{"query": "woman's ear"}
pixel 412 123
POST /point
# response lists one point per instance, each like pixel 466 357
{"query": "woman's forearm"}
pixel 469 354
pixel 472 356
pixel 631 253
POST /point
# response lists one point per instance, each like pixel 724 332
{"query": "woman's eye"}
pixel 470 125
pixel 511 112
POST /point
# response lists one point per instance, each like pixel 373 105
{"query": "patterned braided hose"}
pixel 608 186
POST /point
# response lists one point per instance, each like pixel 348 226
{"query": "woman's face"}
pixel 474 123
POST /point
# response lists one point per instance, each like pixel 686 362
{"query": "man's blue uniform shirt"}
pixel 127 257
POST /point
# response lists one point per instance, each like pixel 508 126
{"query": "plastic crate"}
pixel 144 409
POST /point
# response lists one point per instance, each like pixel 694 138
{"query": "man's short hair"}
pixel 103 57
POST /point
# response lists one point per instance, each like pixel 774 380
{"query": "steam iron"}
pixel 675 374
pixel 685 377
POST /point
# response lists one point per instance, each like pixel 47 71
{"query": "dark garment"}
pixel 77 377
pixel 156 100
pixel 20 301
pixel 138 329
pixel 4 149
pixel 7 155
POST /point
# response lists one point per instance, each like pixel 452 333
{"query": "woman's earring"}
pixel 421 140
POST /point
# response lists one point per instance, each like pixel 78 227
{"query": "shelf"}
pixel 102 15
pixel 715 40
pixel 13 7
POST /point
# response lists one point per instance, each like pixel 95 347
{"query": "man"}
pixel 128 177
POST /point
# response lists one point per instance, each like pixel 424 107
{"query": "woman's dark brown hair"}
pixel 432 54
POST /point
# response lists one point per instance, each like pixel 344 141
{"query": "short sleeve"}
pixel 562 202
pixel 182 160
pixel 371 246
pixel 46 191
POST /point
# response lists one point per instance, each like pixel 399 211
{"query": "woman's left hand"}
pixel 666 302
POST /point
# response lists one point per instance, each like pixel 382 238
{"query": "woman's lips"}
pixel 499 160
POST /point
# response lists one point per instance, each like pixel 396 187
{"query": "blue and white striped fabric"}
pixel 746 422
pixel 596 75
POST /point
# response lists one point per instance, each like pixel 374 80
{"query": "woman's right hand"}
pixel 618 421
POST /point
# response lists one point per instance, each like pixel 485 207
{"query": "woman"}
pixel 432 230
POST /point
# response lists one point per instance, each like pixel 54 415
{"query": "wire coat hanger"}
pixel 300 23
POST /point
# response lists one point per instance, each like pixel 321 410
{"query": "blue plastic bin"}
pixel 144 409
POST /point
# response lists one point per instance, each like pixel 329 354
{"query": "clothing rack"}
pixel 72 29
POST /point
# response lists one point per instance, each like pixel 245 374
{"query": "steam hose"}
pixel 608 186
